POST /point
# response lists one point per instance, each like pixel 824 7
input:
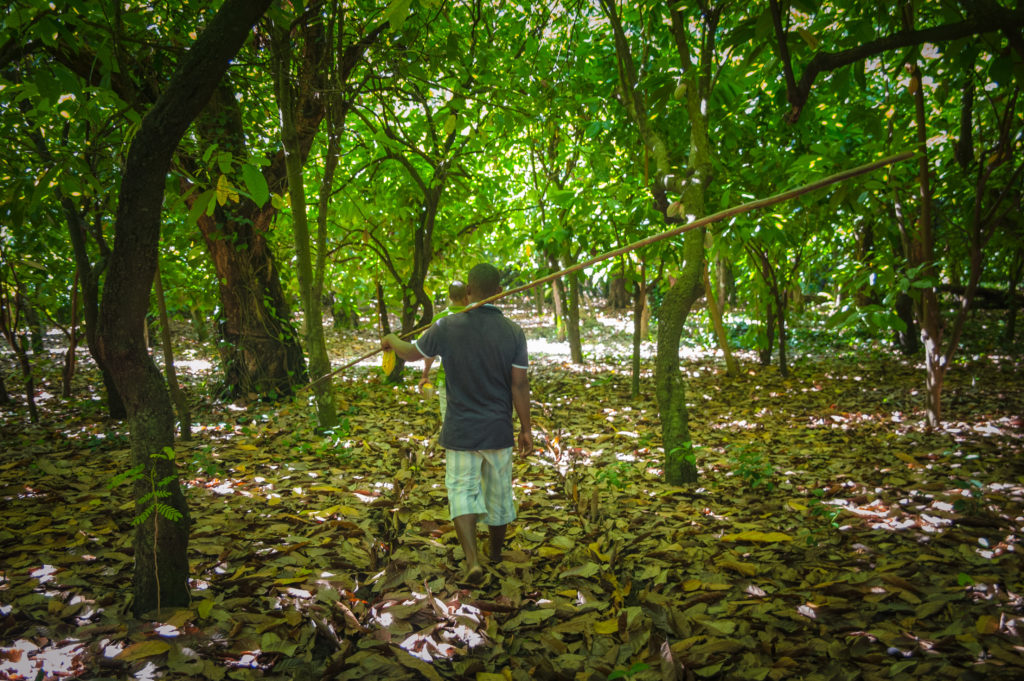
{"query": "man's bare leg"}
pixel 497 534
pixel 465 530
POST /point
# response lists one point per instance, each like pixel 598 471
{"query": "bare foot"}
pixel 474 575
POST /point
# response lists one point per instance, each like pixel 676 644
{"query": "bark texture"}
pixel 161 562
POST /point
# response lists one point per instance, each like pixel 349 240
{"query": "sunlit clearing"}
pixel 196 366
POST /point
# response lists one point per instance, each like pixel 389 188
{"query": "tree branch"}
pixel 995 19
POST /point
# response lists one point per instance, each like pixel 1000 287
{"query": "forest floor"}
pixel 831 535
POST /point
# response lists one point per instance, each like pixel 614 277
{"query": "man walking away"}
pixel 485 362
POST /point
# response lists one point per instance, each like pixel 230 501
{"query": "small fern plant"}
pixel 152 506
pixel 157 490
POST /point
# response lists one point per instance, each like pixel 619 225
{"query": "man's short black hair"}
pixel 484 280
pixel 457 290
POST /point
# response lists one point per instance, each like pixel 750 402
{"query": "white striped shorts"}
pixel 481 482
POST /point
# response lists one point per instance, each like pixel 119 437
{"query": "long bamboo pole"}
pixel 676 231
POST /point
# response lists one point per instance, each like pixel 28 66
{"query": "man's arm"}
pixel 521 401
pixel 403 349
pixel 425 377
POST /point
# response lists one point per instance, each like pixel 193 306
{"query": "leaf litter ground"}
pixel 830 537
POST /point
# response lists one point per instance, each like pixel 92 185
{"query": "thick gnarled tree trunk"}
pixel 260 348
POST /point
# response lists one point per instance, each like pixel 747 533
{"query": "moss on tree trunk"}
pixel 161 557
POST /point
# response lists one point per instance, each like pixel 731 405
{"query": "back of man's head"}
pixel 457 292
pixel 484 281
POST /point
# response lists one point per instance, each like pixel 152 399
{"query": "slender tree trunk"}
pixel 781 305
pixel 731 368
pixel 764 353
pixel 645 315
pixel 20 344
pixel 35 327
pixel 923 255
pixel 5 397
pixel 199 324
pixel 382 311
pixel 320 365
pixel 908 341
pixel 178 396
pixel 558 301
pixel 10 322
pixel 680 459
pixel 639 304
pixel 1016 272
pixel 618 298
pixel 160 546
pixel 726 284
pixel 89 274
pixel 572 319
pixel 70 355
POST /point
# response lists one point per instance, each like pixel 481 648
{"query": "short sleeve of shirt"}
pixel 520 360
pixel 430 344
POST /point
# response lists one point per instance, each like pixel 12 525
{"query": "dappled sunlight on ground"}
pixel 828 526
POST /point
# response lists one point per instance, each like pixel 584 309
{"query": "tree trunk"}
pixel 907 341
pixel 680 459
pixel 558 300
pixel 572 319
pixel 90 274
pixel 199 324
pixel 923 255
pixel 160 546
pixel 20 345
pixel 35 327
pixel 177 394
pixel 260 347
pixel 726 282
pixel 70 356
pixel 731 368
pixel 618 297
pixel 764 353
pixel 262 355
pixel 1016 271
pixel 639 305
pixel 781 305
pixel 320 365
pixel 645 316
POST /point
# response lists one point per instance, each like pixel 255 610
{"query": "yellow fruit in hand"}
pixel 387 361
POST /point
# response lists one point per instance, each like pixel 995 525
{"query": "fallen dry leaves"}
pixel 830 538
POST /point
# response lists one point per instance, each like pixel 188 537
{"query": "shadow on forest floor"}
pixel 830 536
